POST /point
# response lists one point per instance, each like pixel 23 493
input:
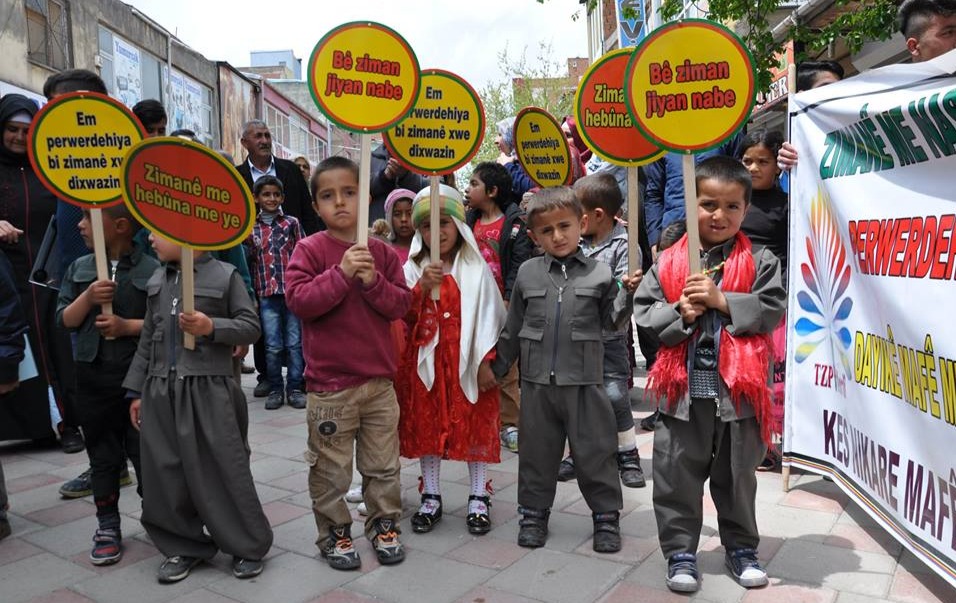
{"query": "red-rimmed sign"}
pixel 187 194
pixel 364 76
pixel 445 128
pixel 601 113
pixel 77 143
pixel 690 85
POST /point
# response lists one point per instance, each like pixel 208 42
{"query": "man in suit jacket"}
pixel 257 141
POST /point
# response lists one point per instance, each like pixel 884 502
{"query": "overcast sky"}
pixel 457 35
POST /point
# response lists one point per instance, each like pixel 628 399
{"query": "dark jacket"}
pixel 298 200
pixel 132 273
pixel 12 324
pixel 557 333
pixel 514 244
pixel 380 186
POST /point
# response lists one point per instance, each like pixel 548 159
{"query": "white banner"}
pixel 871 377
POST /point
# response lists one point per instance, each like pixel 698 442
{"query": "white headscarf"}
pixel 482 309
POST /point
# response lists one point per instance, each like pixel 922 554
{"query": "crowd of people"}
pixel 528 344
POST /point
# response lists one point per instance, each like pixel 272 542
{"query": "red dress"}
pixel 442 422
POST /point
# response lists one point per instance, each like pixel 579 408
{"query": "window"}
pixel 48 33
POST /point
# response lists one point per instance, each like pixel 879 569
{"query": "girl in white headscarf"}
pixel 446 391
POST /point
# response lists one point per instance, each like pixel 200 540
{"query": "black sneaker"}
pixel 566 471
pixel 262 389
pixel 388 548
pixel 297 399
pixel 71 440
pixel 649 422
pixel 745 568
pixel 5 529
pixel 82 484
pixel 176 568
pixel 338 549
pixel 246 568
pixel 607 532
pixel 682 573
pixel 533 527
pixel 107 547
pixel 275 400
pixel 629 466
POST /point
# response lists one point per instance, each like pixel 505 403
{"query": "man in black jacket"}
pixel 257 141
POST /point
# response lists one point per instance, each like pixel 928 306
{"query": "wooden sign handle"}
pixel 99 252
pixel 633 221
pixel 434 241
pixel 690 211
pixel 365 183
pixel 189 293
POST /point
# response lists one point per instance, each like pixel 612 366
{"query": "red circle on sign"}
pixel 187 194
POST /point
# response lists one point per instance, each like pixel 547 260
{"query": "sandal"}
pixel 479 523
pixel 424 522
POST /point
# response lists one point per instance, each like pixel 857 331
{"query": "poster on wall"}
pixel 238 106
pixel 127 73
pixel 871 359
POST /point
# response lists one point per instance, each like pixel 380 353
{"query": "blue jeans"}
pixel 283 336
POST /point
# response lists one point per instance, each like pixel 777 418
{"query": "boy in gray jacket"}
pixel 712 378
pixel 559 305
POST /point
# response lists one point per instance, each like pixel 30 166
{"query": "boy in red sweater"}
pixel 346 295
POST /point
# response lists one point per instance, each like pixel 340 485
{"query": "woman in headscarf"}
pixel 26 208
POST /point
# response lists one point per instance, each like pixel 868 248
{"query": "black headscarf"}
pixel 10 105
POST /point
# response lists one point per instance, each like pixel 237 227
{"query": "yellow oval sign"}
pixel 364 76
pixel 690 85
pixel 444 129
pixel 77 143
pixel 542 147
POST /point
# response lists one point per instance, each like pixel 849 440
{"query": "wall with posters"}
pixel 238 103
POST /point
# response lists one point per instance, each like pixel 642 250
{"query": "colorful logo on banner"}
pixel 822 297
pixel 364 76
pixel 601 113
pixel 445 128
pixel 542 147
pixel 77 145
pixel 187 194
pixel 690 85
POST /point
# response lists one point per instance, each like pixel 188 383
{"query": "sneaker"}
pixel 607 532
pixel 297 399
pixel 354 495
pixel 82 484
pixel 274 401
pixel 745 568
pixel 629 466
pixel 682 573
pixel 509 438
pixel 533 527
pixel 246 369
pixel 388 548
pixel 71 440
pixel 362 509
pixel 338 549
pixel 176 568
pixel 769 462
pixel 246 568
pixel 649 422
pixel 262 389
pixel 566 470
pixel 107 547
pixel 5 529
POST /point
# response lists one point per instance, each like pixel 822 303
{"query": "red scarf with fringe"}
pixel 743 362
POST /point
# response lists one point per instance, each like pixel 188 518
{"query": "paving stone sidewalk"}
pixel 817 546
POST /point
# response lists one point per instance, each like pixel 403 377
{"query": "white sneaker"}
pixel 362 509
pixel 354 495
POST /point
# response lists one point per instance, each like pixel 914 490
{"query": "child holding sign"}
pixel 105 345
pixel 346 295
pixel 715 421
pixel 446 390
pixel 193 420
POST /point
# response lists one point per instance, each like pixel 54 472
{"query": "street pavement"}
pixel 816 545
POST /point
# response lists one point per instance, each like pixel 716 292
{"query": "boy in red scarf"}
pixel 712 378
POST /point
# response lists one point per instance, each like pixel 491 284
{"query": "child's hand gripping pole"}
pixel 99 252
